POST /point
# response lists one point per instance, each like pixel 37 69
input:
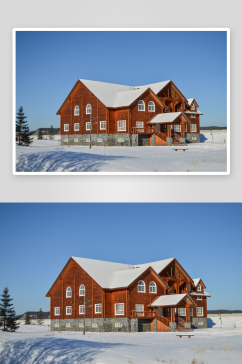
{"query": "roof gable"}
pixel 172 300
pixel 190 101
pixel 169 117
pixel 198 280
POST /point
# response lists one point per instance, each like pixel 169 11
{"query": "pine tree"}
pixel 7 314
pixel 22 129
pixel 40 134
pixel 51 132
pixel 40 317
pixel 27 318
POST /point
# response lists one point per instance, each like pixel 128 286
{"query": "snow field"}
pixel 208 346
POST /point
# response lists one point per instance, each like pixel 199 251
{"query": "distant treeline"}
pixel 47 130
pixel 46 315
pixel 223 311
pixel 213 127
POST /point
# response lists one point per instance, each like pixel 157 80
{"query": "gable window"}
pixel 141 286
pixel 102 125
pixel 177 127
pixel 76 111
pixel 152 287
pixel 199 287
pixel 193 116
pixel 193 128
pixel 98 308
pixel 76 127
pixel 88 109
pixel 199 298
pixel 81 309
pixel 121 125
pixel 192 106
pixel 66 127
pixel 88 125
pixel 119 309
pixel 151 106
pixel 182 311
pixel 68 310
pixel 57 311
pixel 82 290
pixel 68 292
pixel 199 311
pixel 141 106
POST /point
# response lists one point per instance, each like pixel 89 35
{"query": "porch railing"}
pixel 142 314
pixel 135 130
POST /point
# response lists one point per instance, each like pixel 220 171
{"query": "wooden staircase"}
pixel 163 319
pixel 180 324
pixel 160 135
pixel 176 140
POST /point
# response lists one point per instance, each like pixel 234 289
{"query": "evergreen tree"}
pixel 7 314
pixel 27 318
pixel 40 317
pixel 40 134
pixel 51 132
pixel 22 129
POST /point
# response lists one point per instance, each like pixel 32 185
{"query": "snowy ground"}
pixel 49 156
pixel 36 345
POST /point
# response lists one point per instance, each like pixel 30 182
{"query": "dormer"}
pixel 199 285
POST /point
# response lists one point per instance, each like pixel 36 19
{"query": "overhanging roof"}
pixel 205 294
pixel 171 300
pixel 168 117
pixel 198 112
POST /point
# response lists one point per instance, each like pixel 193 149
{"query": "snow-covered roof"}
pixel 115 275
pixel 190 101
pixel 155 87
pixel 196 281
pixel 194 112
pixel 168 117
pixel 171 300
pixel 206 294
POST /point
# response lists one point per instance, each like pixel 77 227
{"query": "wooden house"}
pixel 105 296
pixel 109 114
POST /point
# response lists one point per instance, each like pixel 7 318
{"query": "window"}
pixel 141 106
pixel 76 110
pixel 182 311
pixel 193 116
pixel 199 311
pixel 139 124
pixel 76 127
pixel 191 311
pixel 193 128
pixel 68 310
pixel 82 290
pixel 68 292
pixel 121 125
pixel 68 324
pixel 102 125
pixel 98 308
pixel 152 287
pixel 177 128
pixel 88 109
pixel 151 106
pixel 199 287
pixel 141 286
pixel 192 106
pixel 199 297
pixel 94 324
pixel 57 324
pixel 57 311
pixel 66 127
pixel 81 324
pixel 88 125
pixel 81 310
pixel 185 128
pixel 119 309
pixel 118 324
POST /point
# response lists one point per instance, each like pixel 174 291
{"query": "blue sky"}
pixel 38 239
pixel 48 64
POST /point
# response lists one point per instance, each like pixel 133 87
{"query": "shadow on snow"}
pixel 210 323
pixel 62 161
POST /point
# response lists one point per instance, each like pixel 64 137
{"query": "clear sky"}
pixel 38 239
pixel 48 64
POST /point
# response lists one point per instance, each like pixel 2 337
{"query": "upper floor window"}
pixel 76 110
pixel 141 106
pixel 98 308
pixel 57 311
pixel 199 287
pixel 119 309
pixel 81 309
pixel 151 106
pixel 66 127
pixel 88 125
pixel 102 125
pixel 192 106
pixel 82 290
pixel 68 310
pixel 88 109
pixel 141 286
pixel 152 287
pixel 199 297
pixel 121 125
pixel 68 292
pixel 193 116
pixel 76 127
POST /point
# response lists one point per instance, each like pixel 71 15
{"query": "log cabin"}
pixel 107 114
pixel 106 296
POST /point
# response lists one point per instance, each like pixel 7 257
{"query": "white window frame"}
pixel 181 308
pixel 155 291
pixel 152 105
pixel 57 311
pixel 76 111
pixel 199 298
pixel 193 106
pixel 82 288
pixel 88 109
pixel 68 308
pixel 193 126
pixel 66 125
pixel 199 287
pixel 177 127
pixel 193 116
pixel 98 308
pixel 68 290
pixel 120 127
pixel 76 124
pixel 200 308
pixel 81 308
pixel 115 309
pixel 191 311
pixel 143 285
pixel 88 123
pixel 141 105
pixel 101 127
pixel 139 122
